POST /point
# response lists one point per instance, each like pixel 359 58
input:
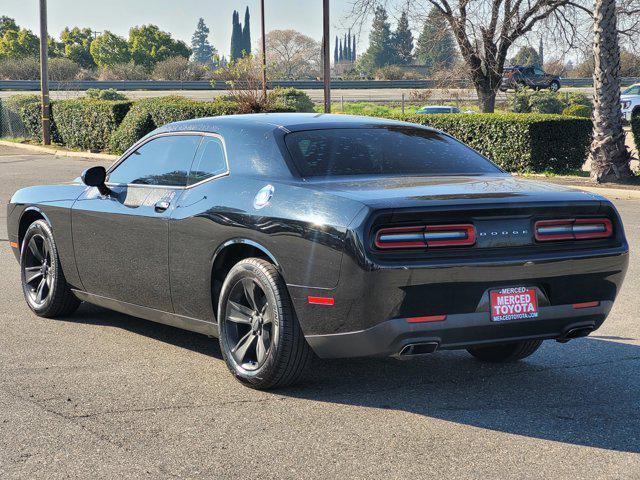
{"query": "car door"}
pixel 541 78
pixel 197 229
pixel 121 239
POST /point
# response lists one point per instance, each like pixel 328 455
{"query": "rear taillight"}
pixel 427 236
pixel 573 229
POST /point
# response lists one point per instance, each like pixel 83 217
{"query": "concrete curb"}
pixel 57 152
pixel 611 193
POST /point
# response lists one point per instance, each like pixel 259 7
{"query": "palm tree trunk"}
pixel 609 155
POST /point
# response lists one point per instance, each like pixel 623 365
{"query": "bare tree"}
pixel 485 30
pixel 609 155
pixel 292 55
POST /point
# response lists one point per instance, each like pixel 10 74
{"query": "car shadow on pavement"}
pixel 586 392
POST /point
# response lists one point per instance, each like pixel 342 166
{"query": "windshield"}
pixel 633 90
pixel 434 110
pixel 387 150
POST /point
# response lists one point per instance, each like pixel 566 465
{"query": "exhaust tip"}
pixel 415 349
pixel 576 332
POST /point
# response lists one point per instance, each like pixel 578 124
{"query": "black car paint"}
pixel 119 252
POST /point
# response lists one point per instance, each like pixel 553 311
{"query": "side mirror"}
pixel 95 177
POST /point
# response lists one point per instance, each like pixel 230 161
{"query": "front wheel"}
pixel 554 87
pixel 509 352
pixel 45 288
pixel 260 338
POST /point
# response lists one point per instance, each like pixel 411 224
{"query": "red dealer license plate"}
pixel 513 304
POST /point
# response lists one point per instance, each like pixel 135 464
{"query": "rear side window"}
pixel 389 150
pixel 163 161
pixel 209 161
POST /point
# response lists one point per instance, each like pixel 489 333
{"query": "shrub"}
pixel 27 68
pixel 390 72
pixel 30 115
pixel 635 129
pixel 576 110
pixel 180 69
pixel 106 94
pixel 88 124
pixel 519 143
pixel 289 100
pixel 580 99
pixel 123 71
pixel 546 102
pixel 148 114
pixel 63 70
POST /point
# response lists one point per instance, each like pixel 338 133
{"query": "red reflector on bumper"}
pixel 321 300
pixel 429 318
pixel 585 305
pixel 13 244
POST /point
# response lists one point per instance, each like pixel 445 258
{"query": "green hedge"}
pixel 30 114
pixel 518 142
pixel 635 129
pixel 88 124
pixel 148 114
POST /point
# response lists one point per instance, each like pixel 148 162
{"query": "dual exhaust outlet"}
pixel 425 348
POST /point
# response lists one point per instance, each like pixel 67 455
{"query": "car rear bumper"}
pixel 366 315
pixel 397 337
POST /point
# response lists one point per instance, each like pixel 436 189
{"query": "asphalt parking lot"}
pixel 104 395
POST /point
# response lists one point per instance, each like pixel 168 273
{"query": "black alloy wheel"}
pixel 251 329
pixel 260 338
pixel 37 270
pixel 43 282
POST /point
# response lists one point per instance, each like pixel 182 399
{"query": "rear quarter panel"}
pixel 304 231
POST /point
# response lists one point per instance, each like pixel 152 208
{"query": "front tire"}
pixel 554 86
pixel 260 338
pixel 43 283
pixel 509 352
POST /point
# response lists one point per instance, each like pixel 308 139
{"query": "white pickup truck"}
pixel 630 102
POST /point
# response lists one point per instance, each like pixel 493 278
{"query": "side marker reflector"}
pixel 13 244
pixel 585 305
pixel 321 300
pixel 429 318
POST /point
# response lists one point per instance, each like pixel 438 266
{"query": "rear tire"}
pixel 43 283
pixel 260 337
pixel 509 352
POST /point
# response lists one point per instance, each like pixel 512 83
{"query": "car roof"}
pixel 288 122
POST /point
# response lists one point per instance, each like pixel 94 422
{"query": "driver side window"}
pixel 163 161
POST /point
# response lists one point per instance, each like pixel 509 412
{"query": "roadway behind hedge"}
pixel 516 142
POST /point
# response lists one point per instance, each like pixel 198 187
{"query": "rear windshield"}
pixel 388 150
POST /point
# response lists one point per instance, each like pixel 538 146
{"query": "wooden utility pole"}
pixel 44 75
pixel 264 52
pixel 326 58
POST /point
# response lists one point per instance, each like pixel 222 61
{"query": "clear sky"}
pixel 179 17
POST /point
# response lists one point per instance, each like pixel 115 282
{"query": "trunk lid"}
pixel 414 192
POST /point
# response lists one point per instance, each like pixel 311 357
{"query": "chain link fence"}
pixel 12 125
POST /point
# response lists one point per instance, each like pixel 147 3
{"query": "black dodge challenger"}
pixel 287 234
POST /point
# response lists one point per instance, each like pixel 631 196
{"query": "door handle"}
pixel 161 206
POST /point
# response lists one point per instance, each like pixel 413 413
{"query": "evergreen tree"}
pixel 203 52
pixel 353 50
pixel 347 48
pixel 403 41
pixel 526 56
pixel 435 47
pixel 246 33
pixel 236 38
pixel 381 46
pixel 340 52
pixel 336 56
